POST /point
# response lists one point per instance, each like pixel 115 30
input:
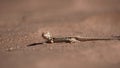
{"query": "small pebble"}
pixel 51 48
pixel 10 49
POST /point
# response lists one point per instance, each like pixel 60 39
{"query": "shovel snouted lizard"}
pixel 72 39
pixel 49 39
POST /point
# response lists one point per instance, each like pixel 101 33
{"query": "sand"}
pixel 23 21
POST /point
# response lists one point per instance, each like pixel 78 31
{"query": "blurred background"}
pixel 23 21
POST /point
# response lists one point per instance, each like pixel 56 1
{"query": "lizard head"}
pixel 47 35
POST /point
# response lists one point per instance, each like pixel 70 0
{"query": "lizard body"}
pixel 51 39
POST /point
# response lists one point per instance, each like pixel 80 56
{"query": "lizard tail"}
pixel 97 38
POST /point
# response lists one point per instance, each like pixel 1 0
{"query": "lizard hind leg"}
pixel 73 40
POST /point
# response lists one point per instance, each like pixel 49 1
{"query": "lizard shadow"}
pixel 47 42
pixel 34 44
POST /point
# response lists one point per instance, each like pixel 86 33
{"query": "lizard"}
pixel 72 39
pixel 50 39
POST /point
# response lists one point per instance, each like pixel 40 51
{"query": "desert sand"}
pixel 23 21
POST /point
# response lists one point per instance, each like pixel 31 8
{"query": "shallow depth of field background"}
pixel 23 21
